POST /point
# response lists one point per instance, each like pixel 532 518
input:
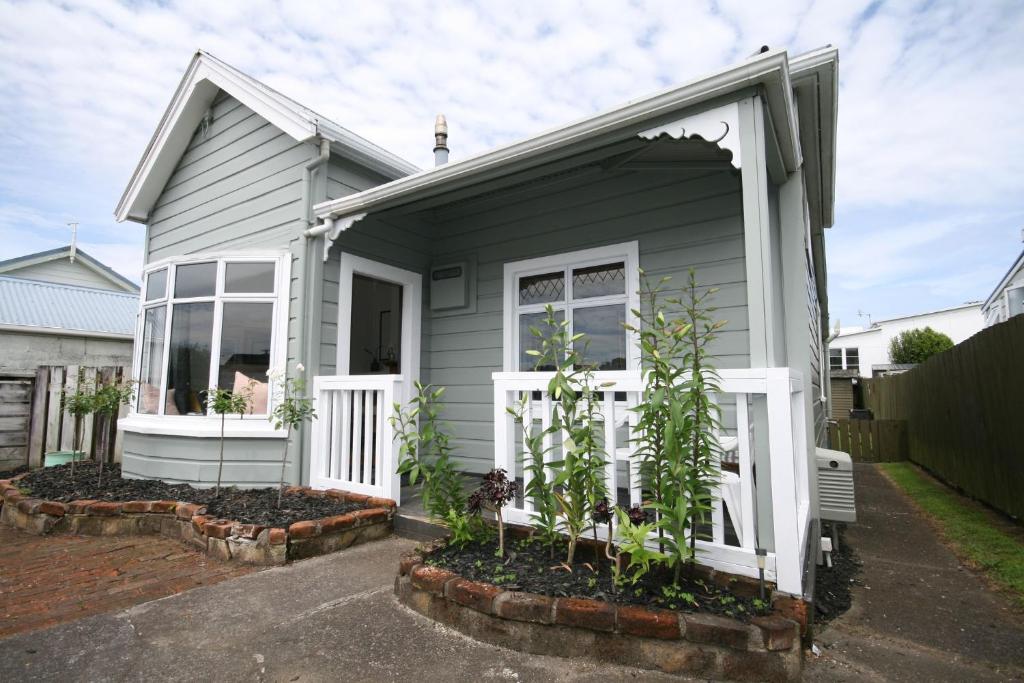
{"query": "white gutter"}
pixel 770 70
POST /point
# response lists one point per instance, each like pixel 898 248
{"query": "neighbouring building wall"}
pixel 873 344
pixel 23 352
pixel 1008 302
pixel 64 272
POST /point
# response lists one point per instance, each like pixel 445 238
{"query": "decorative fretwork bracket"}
pixel 720 126
pixel 339 226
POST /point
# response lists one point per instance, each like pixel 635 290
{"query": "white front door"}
pixel 379 309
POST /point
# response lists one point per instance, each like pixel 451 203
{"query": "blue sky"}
pixel 931 141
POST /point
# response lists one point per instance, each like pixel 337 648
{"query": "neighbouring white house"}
pixel 865 351
pixel 1007 299
pixel 276 238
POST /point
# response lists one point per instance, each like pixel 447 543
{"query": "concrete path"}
pixel 48 580
pixel 917 613
pixel 327 619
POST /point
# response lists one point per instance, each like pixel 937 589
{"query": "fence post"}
pixel 37 420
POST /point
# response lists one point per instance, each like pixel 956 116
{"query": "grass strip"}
pixel 972 530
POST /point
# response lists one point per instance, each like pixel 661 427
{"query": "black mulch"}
pixel 247 506
pixel 832 586
pixel 531 568
pixel 7 474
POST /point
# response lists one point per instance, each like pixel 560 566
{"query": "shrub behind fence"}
pixel 965 414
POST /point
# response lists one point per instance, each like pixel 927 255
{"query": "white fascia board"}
pixel 821 67
pixel 769 70
pixel 1017 265
pixel 205 76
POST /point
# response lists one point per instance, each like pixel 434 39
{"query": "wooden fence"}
pixel 15 407
pixel 52 429
pixel 965 414
pixel 869 440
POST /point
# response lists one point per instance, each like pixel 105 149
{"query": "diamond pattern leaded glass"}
pixel 604 280
pixel 541 289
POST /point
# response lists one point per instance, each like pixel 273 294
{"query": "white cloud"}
pixel 929 129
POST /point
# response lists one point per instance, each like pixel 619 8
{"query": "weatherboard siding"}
pixel 189 460
pixel 64 272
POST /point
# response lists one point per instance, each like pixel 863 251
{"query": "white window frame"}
pixel 257 426
pixel 627 252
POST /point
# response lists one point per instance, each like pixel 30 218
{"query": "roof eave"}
pixel 769 70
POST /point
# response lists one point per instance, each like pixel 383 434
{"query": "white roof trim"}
pixel 1017 265
pixel 65 332
pixel 121 282
pixel 205 76
pixel 769 70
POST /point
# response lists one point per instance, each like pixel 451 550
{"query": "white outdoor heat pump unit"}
pixel 835 486
pixel 449 287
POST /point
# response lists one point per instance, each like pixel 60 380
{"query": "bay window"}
pixel 594 289
pixel 208 322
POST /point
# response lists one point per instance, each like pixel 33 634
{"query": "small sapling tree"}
pixel 291 411
pixel 224 402
pixel 107 403
pixel 79 405
pixel 495 492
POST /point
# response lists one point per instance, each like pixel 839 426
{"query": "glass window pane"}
pixel 604 347
pixel 246 278
pixel 528 340
pixel 604 280
pixel 542 289
pixel 188 364
pixel 835 359
pixel 156 284
pixel 245 351
pixel 375 342
pixel 195 279
pixel 852 359
pixel 152 359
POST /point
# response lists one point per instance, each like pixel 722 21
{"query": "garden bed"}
pixel 533 567
pixel 540 612
pixel 247 506
pixel 240 525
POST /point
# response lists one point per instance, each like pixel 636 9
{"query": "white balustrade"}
pixel 353 444
pixel 781 389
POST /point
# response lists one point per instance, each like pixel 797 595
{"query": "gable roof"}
pixel 771 71
pixel 205 76
pixel 33 306
pixel 1014 269
pixel 61 253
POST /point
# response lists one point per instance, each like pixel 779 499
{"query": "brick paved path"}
pixel 48 580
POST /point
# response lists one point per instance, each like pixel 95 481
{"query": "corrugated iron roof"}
pixel 31 303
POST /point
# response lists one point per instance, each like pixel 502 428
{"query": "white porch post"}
pixel 784 482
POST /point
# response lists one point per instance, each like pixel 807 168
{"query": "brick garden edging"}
pixel 188 522
pixel 701 645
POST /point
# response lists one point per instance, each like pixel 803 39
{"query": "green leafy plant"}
pixel 538 489
pixel 79 405
pixel 225 402
pixel 677 422
pixel 466 528
pixel 918 345
pixel 633 543
pixel 579 480
pixel 107 403
pixel 495 492
pixel 289 413
pixel 425 453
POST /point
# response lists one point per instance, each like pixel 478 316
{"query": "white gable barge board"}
pixel 769 71
pixel 204 78
pixel 56 266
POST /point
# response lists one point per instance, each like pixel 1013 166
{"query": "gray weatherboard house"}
pixel 275 237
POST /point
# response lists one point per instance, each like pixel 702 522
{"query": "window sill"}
pixel 199 427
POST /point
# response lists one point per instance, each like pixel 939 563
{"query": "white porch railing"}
pixel 775 393
pixel 353 445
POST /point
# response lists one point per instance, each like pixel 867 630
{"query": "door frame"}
pixel 412 305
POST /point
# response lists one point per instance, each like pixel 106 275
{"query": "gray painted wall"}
pixel 237 187
pixel 680 221
pixel 25 352
pixel 64 272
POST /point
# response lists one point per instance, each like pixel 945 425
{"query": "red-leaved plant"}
pixel 494 493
